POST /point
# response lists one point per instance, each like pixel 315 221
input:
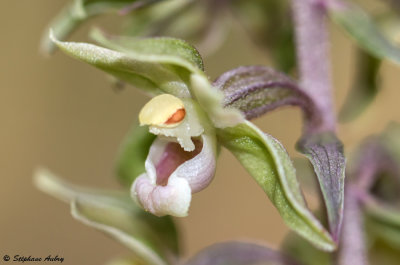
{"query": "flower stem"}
pixel 313 57
pixel 352 245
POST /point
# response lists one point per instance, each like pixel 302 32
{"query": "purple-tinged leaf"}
pixel 353 245
pixel 239 253
pixel 255 90
pixel 325 152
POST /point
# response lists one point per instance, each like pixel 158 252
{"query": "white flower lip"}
pixel 171 195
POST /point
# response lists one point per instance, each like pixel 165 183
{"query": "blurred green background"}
pixel 64 115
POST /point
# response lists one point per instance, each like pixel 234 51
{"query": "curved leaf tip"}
pixel 325 152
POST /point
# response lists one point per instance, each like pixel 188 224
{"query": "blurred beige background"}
pixel 62 114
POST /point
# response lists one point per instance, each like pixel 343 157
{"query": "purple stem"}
pixel 313 57
pixel 352 246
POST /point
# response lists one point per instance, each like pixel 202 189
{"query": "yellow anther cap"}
pixel 164 111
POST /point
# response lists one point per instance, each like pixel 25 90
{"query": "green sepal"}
pixel 162 69
pixel 168 50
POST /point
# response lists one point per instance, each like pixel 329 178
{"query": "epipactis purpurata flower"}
pixel 191 119
pixel 181 160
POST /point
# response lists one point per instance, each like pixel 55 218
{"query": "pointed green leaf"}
pixel 74 14
pixel 325 152
pixel 363 29
pixel 156 70
pixel 239 253
pixel 152 239
pixel 269 164
pixel 133 154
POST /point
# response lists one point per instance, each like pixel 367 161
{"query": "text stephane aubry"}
pixel 49 258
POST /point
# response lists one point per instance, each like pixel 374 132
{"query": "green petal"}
pixel 363 29
pixel 74 14
pixel 133 154
pixel 152 239
pixel 154 72
pixel 269 164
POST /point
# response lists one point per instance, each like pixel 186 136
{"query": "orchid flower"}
pixel 173 153
pixel 182 159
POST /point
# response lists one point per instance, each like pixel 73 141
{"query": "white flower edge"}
pixel 190 177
